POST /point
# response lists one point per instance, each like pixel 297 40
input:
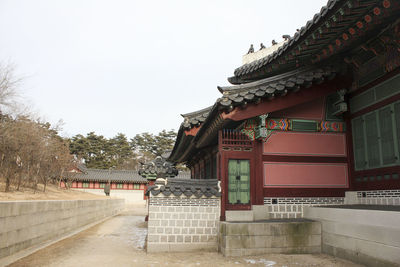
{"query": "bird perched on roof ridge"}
pixel 262 46
pixel 251 49
pixel 274 42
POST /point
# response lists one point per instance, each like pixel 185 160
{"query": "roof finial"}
pixel 286 37
pixel 274 42
pixel 262 46
pixel 251 49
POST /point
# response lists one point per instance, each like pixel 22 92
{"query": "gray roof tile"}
pixel 100 175
pixel 275 85
pixel 195 118
pixel 187 187
pixel 159 166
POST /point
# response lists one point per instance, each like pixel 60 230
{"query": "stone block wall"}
pixel 257 238
pixel 181 223
pixel 27 223
pixel 369 237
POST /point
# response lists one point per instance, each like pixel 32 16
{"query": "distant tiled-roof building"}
pixel 127 184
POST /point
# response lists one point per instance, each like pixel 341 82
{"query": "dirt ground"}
pixel 120 241
pixel 52 193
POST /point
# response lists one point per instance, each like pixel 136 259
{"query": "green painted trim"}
pixel 304 125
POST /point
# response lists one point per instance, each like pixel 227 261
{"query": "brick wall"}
pixel 180 223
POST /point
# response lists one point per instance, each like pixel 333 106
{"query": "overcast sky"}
pixel 113 66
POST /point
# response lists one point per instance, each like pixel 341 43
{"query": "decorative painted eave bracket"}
pixel 262 131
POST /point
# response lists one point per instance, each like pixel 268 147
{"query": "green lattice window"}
pixel 375 94
pixel 359 143
pixel 371 127
pixel 102 185
pixel 120 186
pixel 136 186
pixel 386 133
pixel 376 138
pixel 85 185
pixel 397 120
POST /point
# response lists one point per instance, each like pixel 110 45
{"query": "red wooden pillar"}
pixel 221 175
pixel 259 173
pixel 350 155
pixel 223 170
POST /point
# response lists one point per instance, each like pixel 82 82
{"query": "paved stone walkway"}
pixel 120 241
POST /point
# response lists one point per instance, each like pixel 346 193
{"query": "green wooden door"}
pixel 239 181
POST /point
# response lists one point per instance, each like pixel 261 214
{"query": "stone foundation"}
pixel 272 236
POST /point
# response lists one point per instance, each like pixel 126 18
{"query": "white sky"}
pixel 132 66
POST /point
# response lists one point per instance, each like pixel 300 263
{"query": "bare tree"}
pixel 31 151
pixel 8 86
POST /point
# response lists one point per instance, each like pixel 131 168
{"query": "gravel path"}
pixel 120 241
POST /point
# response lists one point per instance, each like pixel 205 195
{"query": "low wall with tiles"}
pixel 182 223
pixel 293 207
pixel 373 197
pixel 27 223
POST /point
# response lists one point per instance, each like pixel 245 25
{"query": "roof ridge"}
pixel 197 112
pixel 278 77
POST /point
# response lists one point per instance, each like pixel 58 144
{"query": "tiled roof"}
pixel 328 33
pixel 81 167
pixel 195 118
pixel 275 86
pixel 187 187
pixel 240 95
pixel 99 175
pixel 245 69
pixel 315 54
pixel 263 61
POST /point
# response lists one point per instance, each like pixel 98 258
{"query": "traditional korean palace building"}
pixel 126 184
pixel 318 117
